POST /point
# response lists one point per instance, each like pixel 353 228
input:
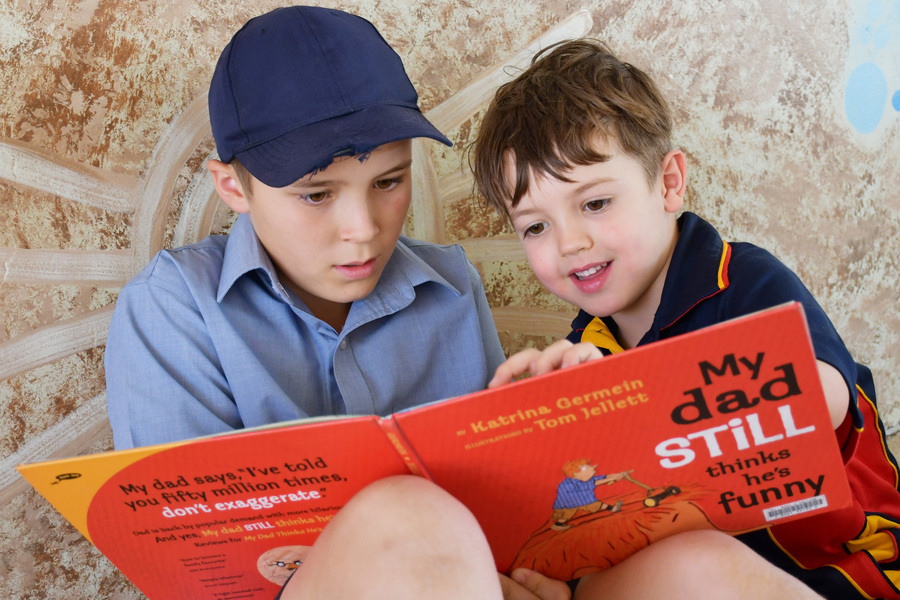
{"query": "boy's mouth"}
pixel 357 270
pixel 590 271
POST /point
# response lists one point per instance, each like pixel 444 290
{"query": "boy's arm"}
pixel 766 282
pixel 836 393
pixel 557 355
pixel 164 380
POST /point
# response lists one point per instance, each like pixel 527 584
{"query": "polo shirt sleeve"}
pixel 163 376
pixel 761 281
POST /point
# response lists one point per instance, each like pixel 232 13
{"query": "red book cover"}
pixel 567 473
pixel 723 428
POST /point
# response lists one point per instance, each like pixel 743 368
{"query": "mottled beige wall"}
pixel 103 138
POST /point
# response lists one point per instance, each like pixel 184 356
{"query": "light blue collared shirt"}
pixel 205 340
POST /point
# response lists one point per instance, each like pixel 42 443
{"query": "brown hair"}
pixel 548 117
pixel 571 468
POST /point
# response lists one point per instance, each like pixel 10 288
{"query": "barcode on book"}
pixel 795 508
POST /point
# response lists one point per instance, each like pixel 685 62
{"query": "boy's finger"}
pixel 540 586
pixel 557 355
pixel 580 353
pixel 514 591
pixel 551 358
pixel 517 364
pixel 563 354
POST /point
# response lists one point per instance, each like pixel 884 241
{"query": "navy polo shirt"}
pixel 710 281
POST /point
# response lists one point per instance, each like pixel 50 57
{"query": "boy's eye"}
pixel 597 205
pixel 388 183
pixel 535 229
pixel 315 197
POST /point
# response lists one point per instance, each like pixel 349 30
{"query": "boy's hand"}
pixel 559 355
pixel 614 477
pixel 531 585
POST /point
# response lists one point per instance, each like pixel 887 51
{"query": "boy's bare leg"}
pixel 400 538
pixel 699 565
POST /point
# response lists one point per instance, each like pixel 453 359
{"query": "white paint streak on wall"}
pixel 66 179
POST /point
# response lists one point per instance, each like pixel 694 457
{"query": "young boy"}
pixel 314 304
pixel 577 152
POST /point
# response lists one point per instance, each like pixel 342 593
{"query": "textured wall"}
pixel 788 115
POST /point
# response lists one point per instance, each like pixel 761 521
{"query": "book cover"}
pixel 567 473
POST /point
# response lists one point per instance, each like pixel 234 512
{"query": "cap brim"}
pixel 288 158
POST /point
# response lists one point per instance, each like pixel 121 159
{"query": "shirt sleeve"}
pixel 765 282
pixel 163 375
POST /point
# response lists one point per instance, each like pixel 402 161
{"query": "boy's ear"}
pixel 674 180
pixel 228 186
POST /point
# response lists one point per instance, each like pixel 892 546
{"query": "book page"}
pixel 222 517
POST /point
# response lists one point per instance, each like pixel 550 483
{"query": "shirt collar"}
pixel 698 269
pixel 414 269
pixel 405 270
pixel 396 287
pixel 243 254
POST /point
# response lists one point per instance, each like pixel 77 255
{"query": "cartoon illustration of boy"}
pixel 278 564
pixel 576 492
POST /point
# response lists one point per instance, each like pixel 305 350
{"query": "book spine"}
pixel 403 447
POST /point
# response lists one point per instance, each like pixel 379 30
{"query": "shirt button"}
pixel 343 344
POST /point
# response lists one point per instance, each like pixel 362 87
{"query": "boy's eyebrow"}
pixel 589 184
pixel 518 211
pixel 312 182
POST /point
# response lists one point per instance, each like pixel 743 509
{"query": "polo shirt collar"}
pixel 698 269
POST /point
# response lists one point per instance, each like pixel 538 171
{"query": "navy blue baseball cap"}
pixel 301 85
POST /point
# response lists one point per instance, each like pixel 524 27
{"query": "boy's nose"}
pixel 357 222
pixel 573 239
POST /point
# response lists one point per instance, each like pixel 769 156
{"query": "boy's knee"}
pixel 398 487
pixel 696 556
pixel 697 564
pixel 403 534
pixel 402 494
pixel 407 506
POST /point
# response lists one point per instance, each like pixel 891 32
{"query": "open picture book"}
pixel 567 473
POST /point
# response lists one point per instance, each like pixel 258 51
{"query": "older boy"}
pixel 577 152
pixel 314 304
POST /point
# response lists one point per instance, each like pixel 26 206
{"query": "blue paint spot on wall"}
pixel 873 56
pixel 873 11
pixel 882 36
pixel 865 97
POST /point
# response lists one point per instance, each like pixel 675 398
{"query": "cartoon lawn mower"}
pixel 654 495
